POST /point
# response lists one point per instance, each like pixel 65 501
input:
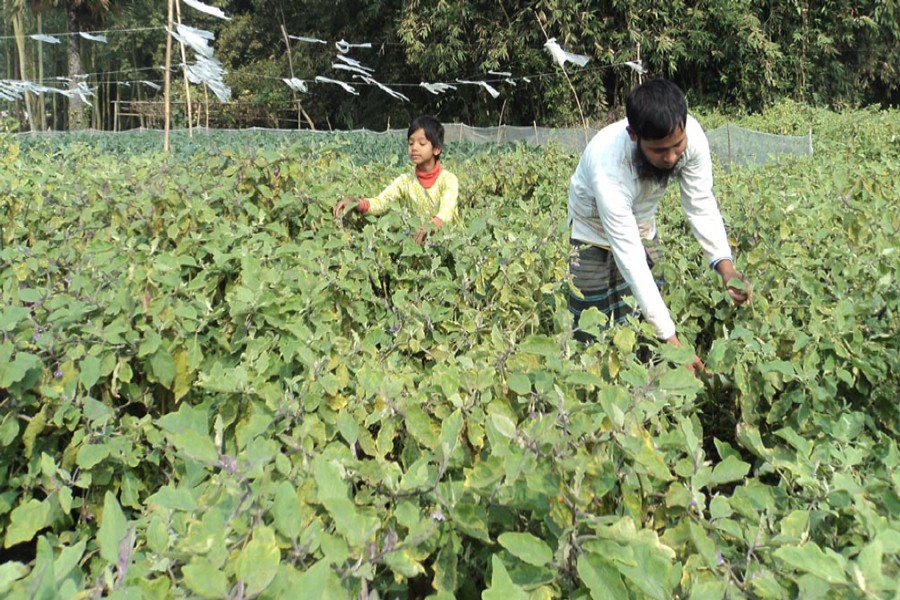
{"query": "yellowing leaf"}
pixel 258 562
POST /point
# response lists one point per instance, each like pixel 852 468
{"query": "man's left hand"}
pixel 737 284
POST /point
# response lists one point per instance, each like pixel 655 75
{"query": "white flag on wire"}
pixel 561 56
pixel 308 40
pixel 344 47
pixel 637 66
pixel 205 8
pixel 298 85
pixel 437 88
pixel 349 88
pixel 490 90
pixel 47 39
pixel 94 38
pixel 386 89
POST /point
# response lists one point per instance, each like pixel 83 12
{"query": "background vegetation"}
pixel 734 54
pixel 209 388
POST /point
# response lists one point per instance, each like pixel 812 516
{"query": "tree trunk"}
pixel 76 104
pixel 19 31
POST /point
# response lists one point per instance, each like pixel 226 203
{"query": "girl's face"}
pixel 421 152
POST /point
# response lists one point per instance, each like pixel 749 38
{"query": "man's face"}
pixel 664 154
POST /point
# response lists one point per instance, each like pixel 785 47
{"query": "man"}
pixel 613 197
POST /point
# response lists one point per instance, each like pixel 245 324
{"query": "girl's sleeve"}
pixel 392 193
pixel 448 195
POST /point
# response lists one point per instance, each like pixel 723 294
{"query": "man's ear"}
pixel 437 151
pixel 631 133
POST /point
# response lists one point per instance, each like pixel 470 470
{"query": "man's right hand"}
pixel 693 366
pixel 341 208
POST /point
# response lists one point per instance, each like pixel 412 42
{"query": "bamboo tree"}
pixel 167 77
pixel 187 83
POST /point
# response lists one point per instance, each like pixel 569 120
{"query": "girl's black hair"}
pixel 432 128
pixel 655 109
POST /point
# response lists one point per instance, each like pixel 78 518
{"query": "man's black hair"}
pixel 655 109
pixel 432 128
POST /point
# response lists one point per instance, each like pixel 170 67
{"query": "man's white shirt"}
pixel 610 206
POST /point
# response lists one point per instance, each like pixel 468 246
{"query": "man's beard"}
pixel 646 170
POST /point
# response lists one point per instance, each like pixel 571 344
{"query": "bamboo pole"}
pixel 187 87
pixel 300 110
pixel 168 77
pixel 571 87
pixel 40 61
pixel 19 32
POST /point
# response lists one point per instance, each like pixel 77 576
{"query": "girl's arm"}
pixel 392 193
pixel 449 192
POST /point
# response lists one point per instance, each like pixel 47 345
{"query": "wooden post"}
pixel 187 87
pixel 500 124
pixel 167 76
pixel 300 110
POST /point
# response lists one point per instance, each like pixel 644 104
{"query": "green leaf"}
pixel 681 381
pixel 89 455
pixel 809 558
pixel 195 445
pixel 67 560
pixel 450 431
pixel 34 428
pixel 540 345
pixel 113 527
pixel 286 511
pixel 519 383
pixel 348 426
pixel 11 316
pixel 19 369
pixel 870 561
pixel 89 371
pixel 26 520
pixel 502 586
pixel 9 429
pixel 601 578
pixel 471 519
pixel 162 367
pixel 446 570
pixel 527 547
pixel 356 527
pixel 157 534
pixel 709 590
pixel 730 469
pixel 737 284
pixel 319 582
pixel 179 498
pixel 329 479
pixel 592 321
pixel 258 562
pixel 183 377
pixel 625 340
pixel 10 572
pixel 504 425
pixel 204 579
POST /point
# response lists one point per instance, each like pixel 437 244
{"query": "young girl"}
pixel 431 190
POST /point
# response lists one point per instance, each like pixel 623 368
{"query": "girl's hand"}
pixel 341 208
pixel 425 229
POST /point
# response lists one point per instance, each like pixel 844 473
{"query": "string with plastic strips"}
pixel 496 79
pixel 77 33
